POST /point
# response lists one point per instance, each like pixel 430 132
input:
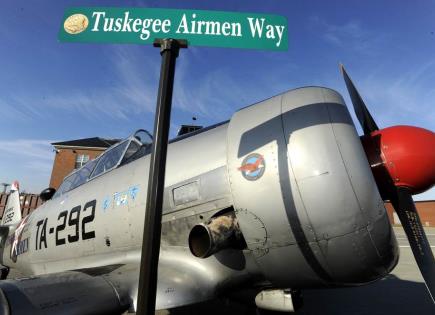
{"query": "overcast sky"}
pixel 51 91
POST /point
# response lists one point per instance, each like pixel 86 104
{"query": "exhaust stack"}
pixel 221 232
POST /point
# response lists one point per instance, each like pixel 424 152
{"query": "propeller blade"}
pixel 405 208
pixel 362 113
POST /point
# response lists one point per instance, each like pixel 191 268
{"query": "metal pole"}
pixel 146 294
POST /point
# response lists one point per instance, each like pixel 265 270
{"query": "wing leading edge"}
pixel 183 280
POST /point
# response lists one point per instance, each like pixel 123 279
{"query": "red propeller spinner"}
pixel 402 155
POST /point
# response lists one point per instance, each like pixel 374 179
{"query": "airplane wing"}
pixel 183 280
pixel 64 293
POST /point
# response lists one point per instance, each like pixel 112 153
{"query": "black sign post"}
pixel 146 294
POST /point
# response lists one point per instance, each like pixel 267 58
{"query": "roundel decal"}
pixel 253 166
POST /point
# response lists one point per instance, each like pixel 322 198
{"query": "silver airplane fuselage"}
pixel 293 170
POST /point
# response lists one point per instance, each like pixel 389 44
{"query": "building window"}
pixel 81 160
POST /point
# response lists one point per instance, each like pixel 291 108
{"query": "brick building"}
pixel 71 155
pixel 425 209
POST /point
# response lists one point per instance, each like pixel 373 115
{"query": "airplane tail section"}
pixel 12 213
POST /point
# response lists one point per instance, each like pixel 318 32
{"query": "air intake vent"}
pixel 185 129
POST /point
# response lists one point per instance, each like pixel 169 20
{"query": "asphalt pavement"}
pixel 402 292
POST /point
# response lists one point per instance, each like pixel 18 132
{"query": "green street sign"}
pixel 200 28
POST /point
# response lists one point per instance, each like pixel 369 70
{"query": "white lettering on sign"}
pixel 202 28
pixel 257 29
pixel 127 24
pixel 208 27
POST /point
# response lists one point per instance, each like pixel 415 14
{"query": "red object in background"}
pixel 404 155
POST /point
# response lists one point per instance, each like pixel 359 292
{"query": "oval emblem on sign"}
pixel 76 23
pixel 253 166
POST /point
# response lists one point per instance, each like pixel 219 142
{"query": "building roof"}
pixel 95 142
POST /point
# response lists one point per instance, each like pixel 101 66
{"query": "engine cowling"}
pixel 303 192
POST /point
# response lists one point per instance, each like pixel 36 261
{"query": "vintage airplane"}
pixel 279 198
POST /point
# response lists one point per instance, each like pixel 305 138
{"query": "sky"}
pixel 52 91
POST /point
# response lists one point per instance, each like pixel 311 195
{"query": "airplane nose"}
pixel 339 195
pixel 313 216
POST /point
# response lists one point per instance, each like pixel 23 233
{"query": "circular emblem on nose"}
pixel 76 23
pixel 253 166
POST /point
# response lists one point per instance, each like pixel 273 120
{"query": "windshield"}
pixel 76 179
pixel 110 158
pixel 130 149
pixel 143 136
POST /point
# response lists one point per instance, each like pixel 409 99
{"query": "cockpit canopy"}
pixel 121 153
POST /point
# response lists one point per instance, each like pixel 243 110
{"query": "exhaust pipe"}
pixel 221 232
